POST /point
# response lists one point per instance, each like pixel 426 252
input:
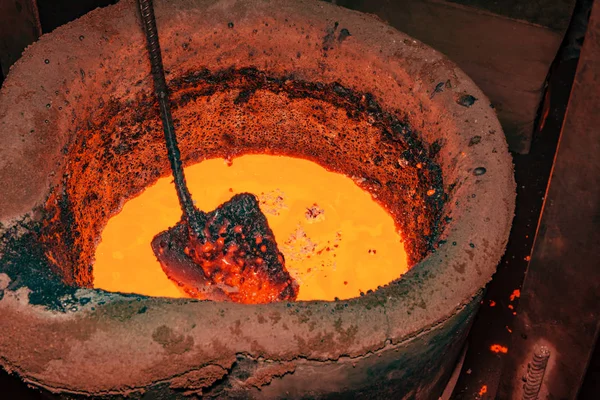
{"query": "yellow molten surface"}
pixel 337 241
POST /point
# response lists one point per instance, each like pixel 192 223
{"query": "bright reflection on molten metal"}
pixel 336 240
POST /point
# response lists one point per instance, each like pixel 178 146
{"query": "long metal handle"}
pixel 160 87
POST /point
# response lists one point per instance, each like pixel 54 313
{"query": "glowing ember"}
pixel 496 348
pixel 324 225
pixel 515 294
pixel 483 390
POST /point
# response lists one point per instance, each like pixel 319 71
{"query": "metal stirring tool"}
pixel 229 254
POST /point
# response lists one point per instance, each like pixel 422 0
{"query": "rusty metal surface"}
pixel 561 293
pixel 19 27
pixel 553 14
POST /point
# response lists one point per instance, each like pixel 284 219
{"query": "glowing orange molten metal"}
pixel 336 241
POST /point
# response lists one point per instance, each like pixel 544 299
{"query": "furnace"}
pixel 292 78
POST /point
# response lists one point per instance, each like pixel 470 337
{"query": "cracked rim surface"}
pixel 107 343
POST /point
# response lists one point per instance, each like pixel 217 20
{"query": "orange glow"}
pixel 515 294
pixel 492 303
pixel 483 390
pixel 336 240
pixel 233 262
pixel 496 348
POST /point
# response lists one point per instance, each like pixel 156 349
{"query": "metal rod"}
pixel 535 373
pixel 160 86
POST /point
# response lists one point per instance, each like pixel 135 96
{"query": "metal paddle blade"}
pixel 234 258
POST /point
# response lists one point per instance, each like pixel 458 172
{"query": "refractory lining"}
pixel 229 113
